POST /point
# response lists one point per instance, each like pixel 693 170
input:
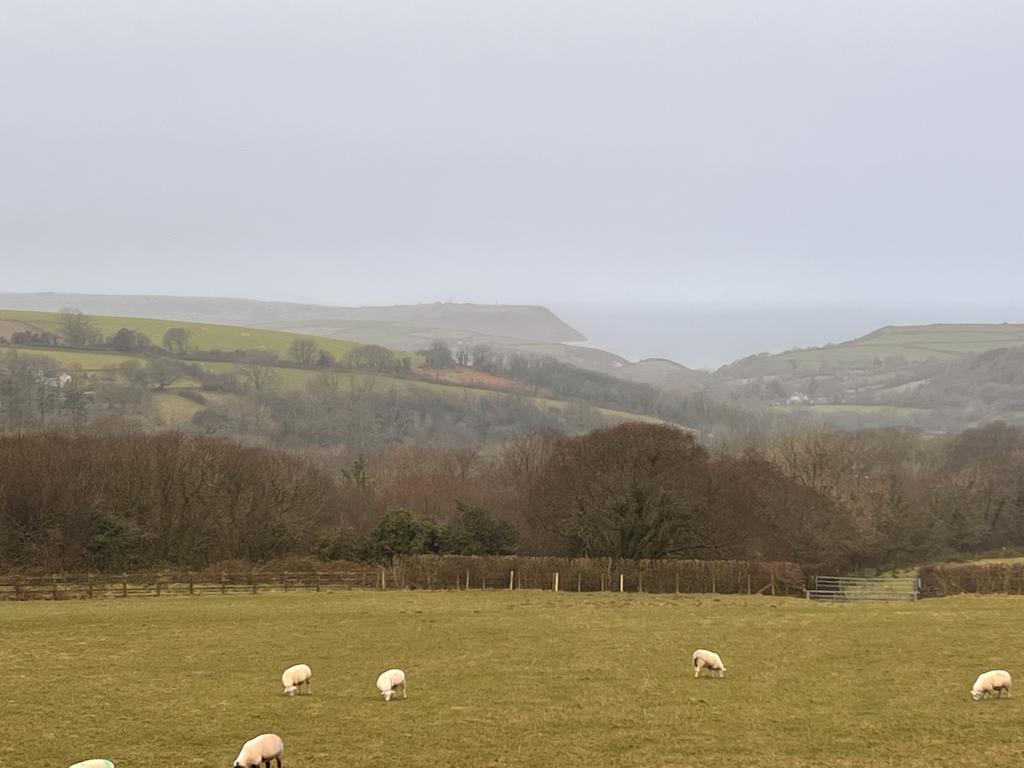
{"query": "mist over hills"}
pixel 710 335
pixel 938 377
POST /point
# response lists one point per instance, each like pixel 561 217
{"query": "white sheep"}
pixel 294 677
pixel 708 660
pixel 262 749
pixel 389 682
pixel 989 683
pixel 93 764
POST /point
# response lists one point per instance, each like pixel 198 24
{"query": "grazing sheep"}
pixel 94 764
pixel 389 682
pixel 262 749
pixel 294 677
pixel 989 683
pixel 708 660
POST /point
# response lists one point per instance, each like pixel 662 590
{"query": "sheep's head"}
pixel 388 695
pixel 290 690
pixel 976 694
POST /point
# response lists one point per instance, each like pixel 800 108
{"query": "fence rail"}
pixel 434 573
pixel 86 586
pixel 856 589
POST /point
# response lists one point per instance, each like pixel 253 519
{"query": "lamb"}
pixel 389 682
pixel 707 660
pixel 994 682
pixel 294 677
pixel 94 764
pixel 262 749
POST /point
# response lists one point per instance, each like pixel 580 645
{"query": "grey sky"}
pixel 528 151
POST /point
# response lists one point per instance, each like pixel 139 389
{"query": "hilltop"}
pixel 936 377
pixel 407 328
pixel 238 380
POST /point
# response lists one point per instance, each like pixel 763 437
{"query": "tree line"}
pixel 121 499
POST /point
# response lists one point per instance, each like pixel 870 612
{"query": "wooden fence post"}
pixel 773 583
pixel 124 585
pixel 467 579
pixel 579 581
pixel 284 580
pixel 511 580
pixel 318 581
pixel 90 586
pixel 748 582
pixel 383 580
pixel 55 596
pixel 191 584
pixel 556 581
pixel 714 589
pixel 622 583
pixel 223 584
pixel 640 582
pixel 158 586
pixel 677 581
pixel 17 587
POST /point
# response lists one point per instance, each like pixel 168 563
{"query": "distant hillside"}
pixel 914 343
pixel 204 336
pixel 210 386
pixel 525 328
pixel 664 374
pixel 936 377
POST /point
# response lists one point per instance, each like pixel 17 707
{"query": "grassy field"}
pixel 915 342
pixel 510 679
pixel 205 336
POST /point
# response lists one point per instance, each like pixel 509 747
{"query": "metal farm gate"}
pixel 854 589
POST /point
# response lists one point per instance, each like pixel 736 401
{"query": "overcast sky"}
pixel 775 152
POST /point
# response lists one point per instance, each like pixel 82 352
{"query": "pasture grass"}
pixel 205 336
pixel 510 679
pixel 915 343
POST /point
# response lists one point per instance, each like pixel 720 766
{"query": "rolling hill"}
pixel 404 327
pixel 104 366
pixel 936 377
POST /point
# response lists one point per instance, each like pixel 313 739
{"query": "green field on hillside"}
pixel 224 337
pixel 915 343
pixel 205 336
pixel 510 679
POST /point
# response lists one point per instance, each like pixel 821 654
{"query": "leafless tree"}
pixel 304 351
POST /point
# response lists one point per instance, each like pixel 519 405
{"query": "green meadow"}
pixel 510 679
pixel 915 343
pixel 205 336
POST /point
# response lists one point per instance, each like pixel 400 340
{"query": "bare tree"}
pixel 370 357
pixel 304 351
pixel 438 355
pixel 77 328
pixel 259 376
pixel 163 372
pixel 176 340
